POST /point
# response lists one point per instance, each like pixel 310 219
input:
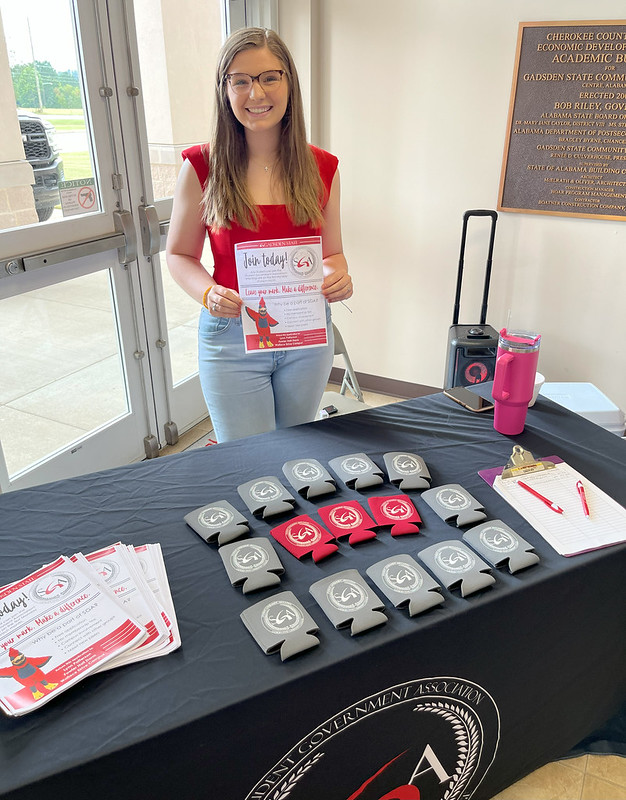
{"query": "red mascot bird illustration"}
pixel 263 323
pixel 27 672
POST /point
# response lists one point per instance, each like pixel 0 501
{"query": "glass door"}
pixel 97 352
pixel 173 112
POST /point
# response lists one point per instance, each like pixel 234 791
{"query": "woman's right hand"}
pixel 223 302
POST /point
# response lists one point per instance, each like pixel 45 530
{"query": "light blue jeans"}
pixel 260 391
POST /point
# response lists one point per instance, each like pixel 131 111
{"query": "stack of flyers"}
pixel 131 575
pixel 81 615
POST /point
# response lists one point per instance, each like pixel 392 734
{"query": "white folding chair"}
pixel 344 403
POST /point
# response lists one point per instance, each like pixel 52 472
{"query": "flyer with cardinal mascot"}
pixel 280 282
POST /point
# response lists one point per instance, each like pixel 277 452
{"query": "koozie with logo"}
pixel 218 522
pixel 501 546
pixel 281 624
pixel 406 584
pixel 456 566
pixel 252 564
pixel 347 600
pixel 357 471
pixel 454 504
pixel 309 478
pixel 348 519
pixel 395 510
pixel 407 470
pixel 302 535
pixel 266 497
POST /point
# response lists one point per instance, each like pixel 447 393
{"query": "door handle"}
pixel 150 230
pixel 124 224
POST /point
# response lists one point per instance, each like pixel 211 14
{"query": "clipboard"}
pixel 521 462
pixel 571 532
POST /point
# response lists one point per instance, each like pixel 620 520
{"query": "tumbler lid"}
pixel 519 341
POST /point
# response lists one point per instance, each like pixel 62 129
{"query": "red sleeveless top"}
pixel 274 222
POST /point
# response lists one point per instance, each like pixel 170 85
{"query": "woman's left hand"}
pixel 337 284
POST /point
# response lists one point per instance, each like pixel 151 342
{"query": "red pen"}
pixel 543 499
pixel 583 497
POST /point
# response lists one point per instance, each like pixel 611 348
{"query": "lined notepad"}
pixel 572 532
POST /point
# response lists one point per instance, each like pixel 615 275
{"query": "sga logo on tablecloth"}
pixel 427 739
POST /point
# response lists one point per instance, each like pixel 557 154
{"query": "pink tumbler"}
pixel 514 379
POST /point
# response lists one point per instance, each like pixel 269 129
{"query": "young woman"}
pixel 257 180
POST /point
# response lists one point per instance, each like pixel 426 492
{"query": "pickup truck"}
pixel 43 155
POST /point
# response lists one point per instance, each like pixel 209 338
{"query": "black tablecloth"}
pixel 493 685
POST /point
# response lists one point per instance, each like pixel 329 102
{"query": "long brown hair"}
pixel 226 198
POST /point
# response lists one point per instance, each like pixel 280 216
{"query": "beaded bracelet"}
pixel 204 297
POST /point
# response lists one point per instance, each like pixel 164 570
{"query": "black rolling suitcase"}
pixel 472 349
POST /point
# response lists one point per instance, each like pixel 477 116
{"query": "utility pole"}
pixel 32 52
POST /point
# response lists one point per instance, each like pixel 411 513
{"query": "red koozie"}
pixel 396 510
pixel 301 536
pixel 348 519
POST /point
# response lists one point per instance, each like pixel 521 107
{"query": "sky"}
pixel 51 31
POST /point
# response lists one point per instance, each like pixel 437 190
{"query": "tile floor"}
pixel 589 777
pixel 61 370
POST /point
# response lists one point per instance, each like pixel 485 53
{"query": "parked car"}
pixel 43 155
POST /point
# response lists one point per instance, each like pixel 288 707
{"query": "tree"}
pixel 24 86
pixel 56 89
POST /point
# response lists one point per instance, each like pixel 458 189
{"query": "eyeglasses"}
pixel 241 82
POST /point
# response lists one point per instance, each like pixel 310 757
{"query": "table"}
pixel 466 698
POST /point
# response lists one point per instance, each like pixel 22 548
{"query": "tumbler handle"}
pixel 504 361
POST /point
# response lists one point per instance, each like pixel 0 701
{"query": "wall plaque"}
pixel 565 150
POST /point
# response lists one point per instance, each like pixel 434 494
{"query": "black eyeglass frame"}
pixel 253 78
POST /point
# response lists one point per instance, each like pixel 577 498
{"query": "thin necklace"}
pixel 266 167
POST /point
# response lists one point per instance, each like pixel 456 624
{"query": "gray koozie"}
pixel 501 546
pixel 455 565
pixel 406 584
pixel 309 478
pixel 266 497
pixel 252 564
pixel 454 504
pixel 281 623
pixel 407 470
pixel 357 471
pixel 218 522
pixel 346 599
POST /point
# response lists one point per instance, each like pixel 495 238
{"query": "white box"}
pixel 588 401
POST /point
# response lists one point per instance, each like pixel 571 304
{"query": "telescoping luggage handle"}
pixel 457 300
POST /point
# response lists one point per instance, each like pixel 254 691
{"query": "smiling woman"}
pixel 258 101
pixel 277 143
pixel 258 182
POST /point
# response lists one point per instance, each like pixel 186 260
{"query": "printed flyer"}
pixel 56 627
pixel 280 282
pixel 81 615
pixel 117 566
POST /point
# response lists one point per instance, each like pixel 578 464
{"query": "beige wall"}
pixel 177 73
pixel 414 100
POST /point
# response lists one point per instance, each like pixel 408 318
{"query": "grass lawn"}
pixel 46 112
pixel 77 165
pixel 63 119
pixel 75 124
